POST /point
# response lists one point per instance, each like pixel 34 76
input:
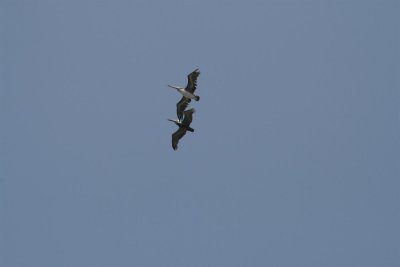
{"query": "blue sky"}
pixel 295 156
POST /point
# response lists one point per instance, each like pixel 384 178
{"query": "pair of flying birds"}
pixel 185 116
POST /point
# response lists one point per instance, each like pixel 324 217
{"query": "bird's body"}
pixel 187 93
pixel 181 125
pixel 184 125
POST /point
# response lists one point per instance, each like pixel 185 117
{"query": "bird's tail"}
pixel 197 98
pixel 190 129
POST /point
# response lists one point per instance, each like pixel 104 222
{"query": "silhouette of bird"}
pixel 187 93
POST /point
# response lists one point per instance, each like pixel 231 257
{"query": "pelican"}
pixel 184 125
pixel 187 93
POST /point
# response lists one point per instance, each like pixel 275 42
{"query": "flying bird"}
pixel 187 93
pixel 184 125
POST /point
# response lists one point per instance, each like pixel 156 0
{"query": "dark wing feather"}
pixel 176 136
pixel 181 106
pixel 187 120
pixel 192 81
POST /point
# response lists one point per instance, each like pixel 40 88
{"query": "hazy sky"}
pixel 295 159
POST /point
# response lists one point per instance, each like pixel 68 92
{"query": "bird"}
pixel 184 125
pixel 187 93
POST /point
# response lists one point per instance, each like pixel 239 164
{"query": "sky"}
pixel 295 158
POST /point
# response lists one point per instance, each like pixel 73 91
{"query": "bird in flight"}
pixel 187 93
pixel 184 126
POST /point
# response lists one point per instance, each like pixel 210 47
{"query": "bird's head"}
pixel 175 87
pixel 177 122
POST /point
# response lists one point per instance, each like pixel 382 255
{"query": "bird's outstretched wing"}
pixel 188 116
pixel 176 136
pixel 192 81
pixel 181 106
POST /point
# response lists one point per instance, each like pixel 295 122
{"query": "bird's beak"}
pixel 173 86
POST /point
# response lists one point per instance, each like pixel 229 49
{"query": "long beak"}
pixel 171 120
pixel 173 86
